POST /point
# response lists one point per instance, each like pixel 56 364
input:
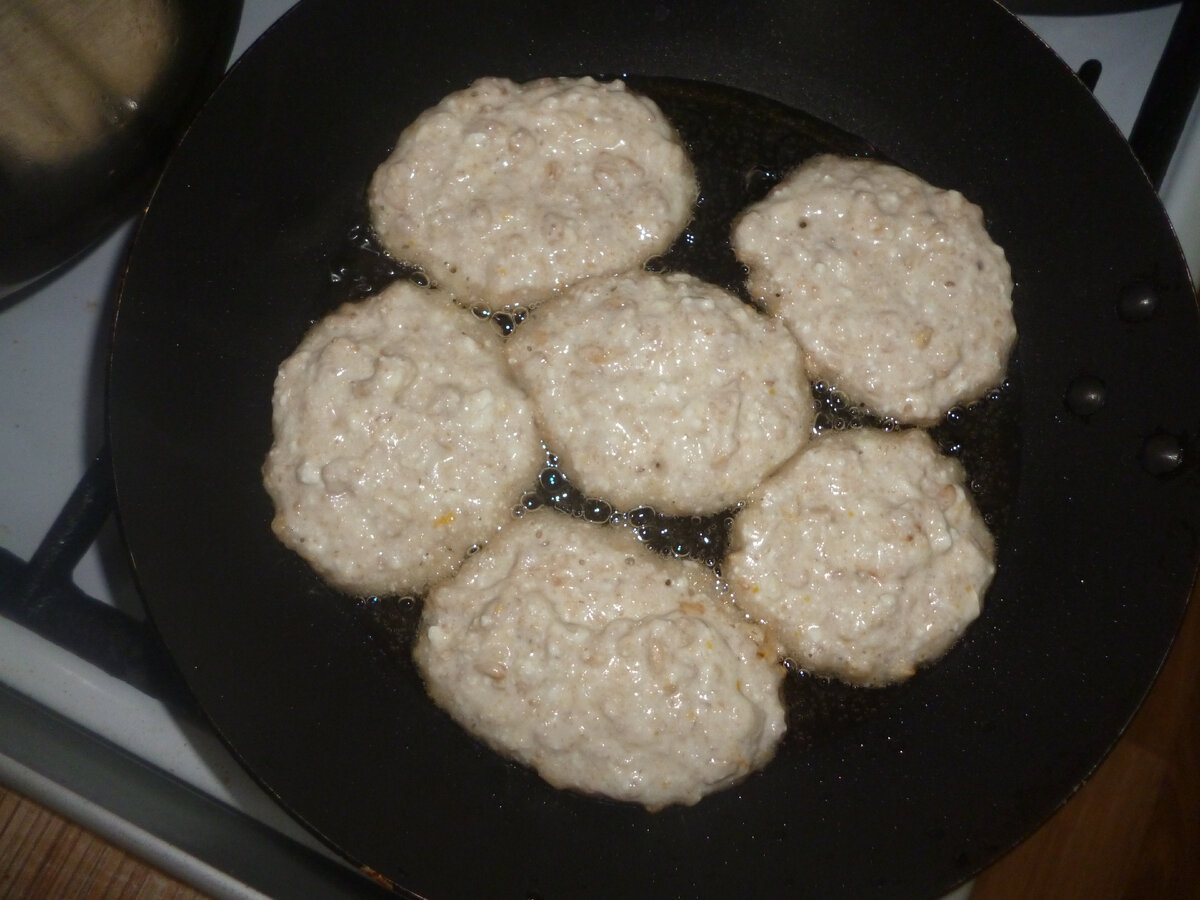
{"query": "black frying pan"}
pixel 900 792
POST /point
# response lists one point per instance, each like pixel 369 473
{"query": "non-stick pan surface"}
pixel 906 791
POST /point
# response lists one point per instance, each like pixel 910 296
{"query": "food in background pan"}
pixel 663 390
pixel 892 286
pixel 401 441
pixel 505 193
pixel 610 670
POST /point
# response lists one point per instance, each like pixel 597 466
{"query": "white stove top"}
pixel 53 345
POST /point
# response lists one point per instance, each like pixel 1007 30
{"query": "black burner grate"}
pixel 1170 97
pixel 41 595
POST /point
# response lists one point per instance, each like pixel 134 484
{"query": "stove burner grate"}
pixel 41 596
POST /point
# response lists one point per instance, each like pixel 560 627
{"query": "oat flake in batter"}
pixel 664 391
pixel 607 668
pixel 505 193
pixel 864 554
pixel 400 441
pixel 893 287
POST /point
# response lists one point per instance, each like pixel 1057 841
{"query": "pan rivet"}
pixel 1085 395
pixel 1162 453
pixel 1137 302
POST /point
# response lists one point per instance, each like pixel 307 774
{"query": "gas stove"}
pixel 102 730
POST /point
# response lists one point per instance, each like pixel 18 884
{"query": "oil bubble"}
pixel 596 510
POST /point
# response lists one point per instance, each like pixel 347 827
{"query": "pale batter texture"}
pixel 864 554
pixel 663 390
pixel 893 287
pixel 571 648
pixel 401 441
pixel 505 193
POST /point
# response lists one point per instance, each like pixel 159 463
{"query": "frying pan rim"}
pixel 122 431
